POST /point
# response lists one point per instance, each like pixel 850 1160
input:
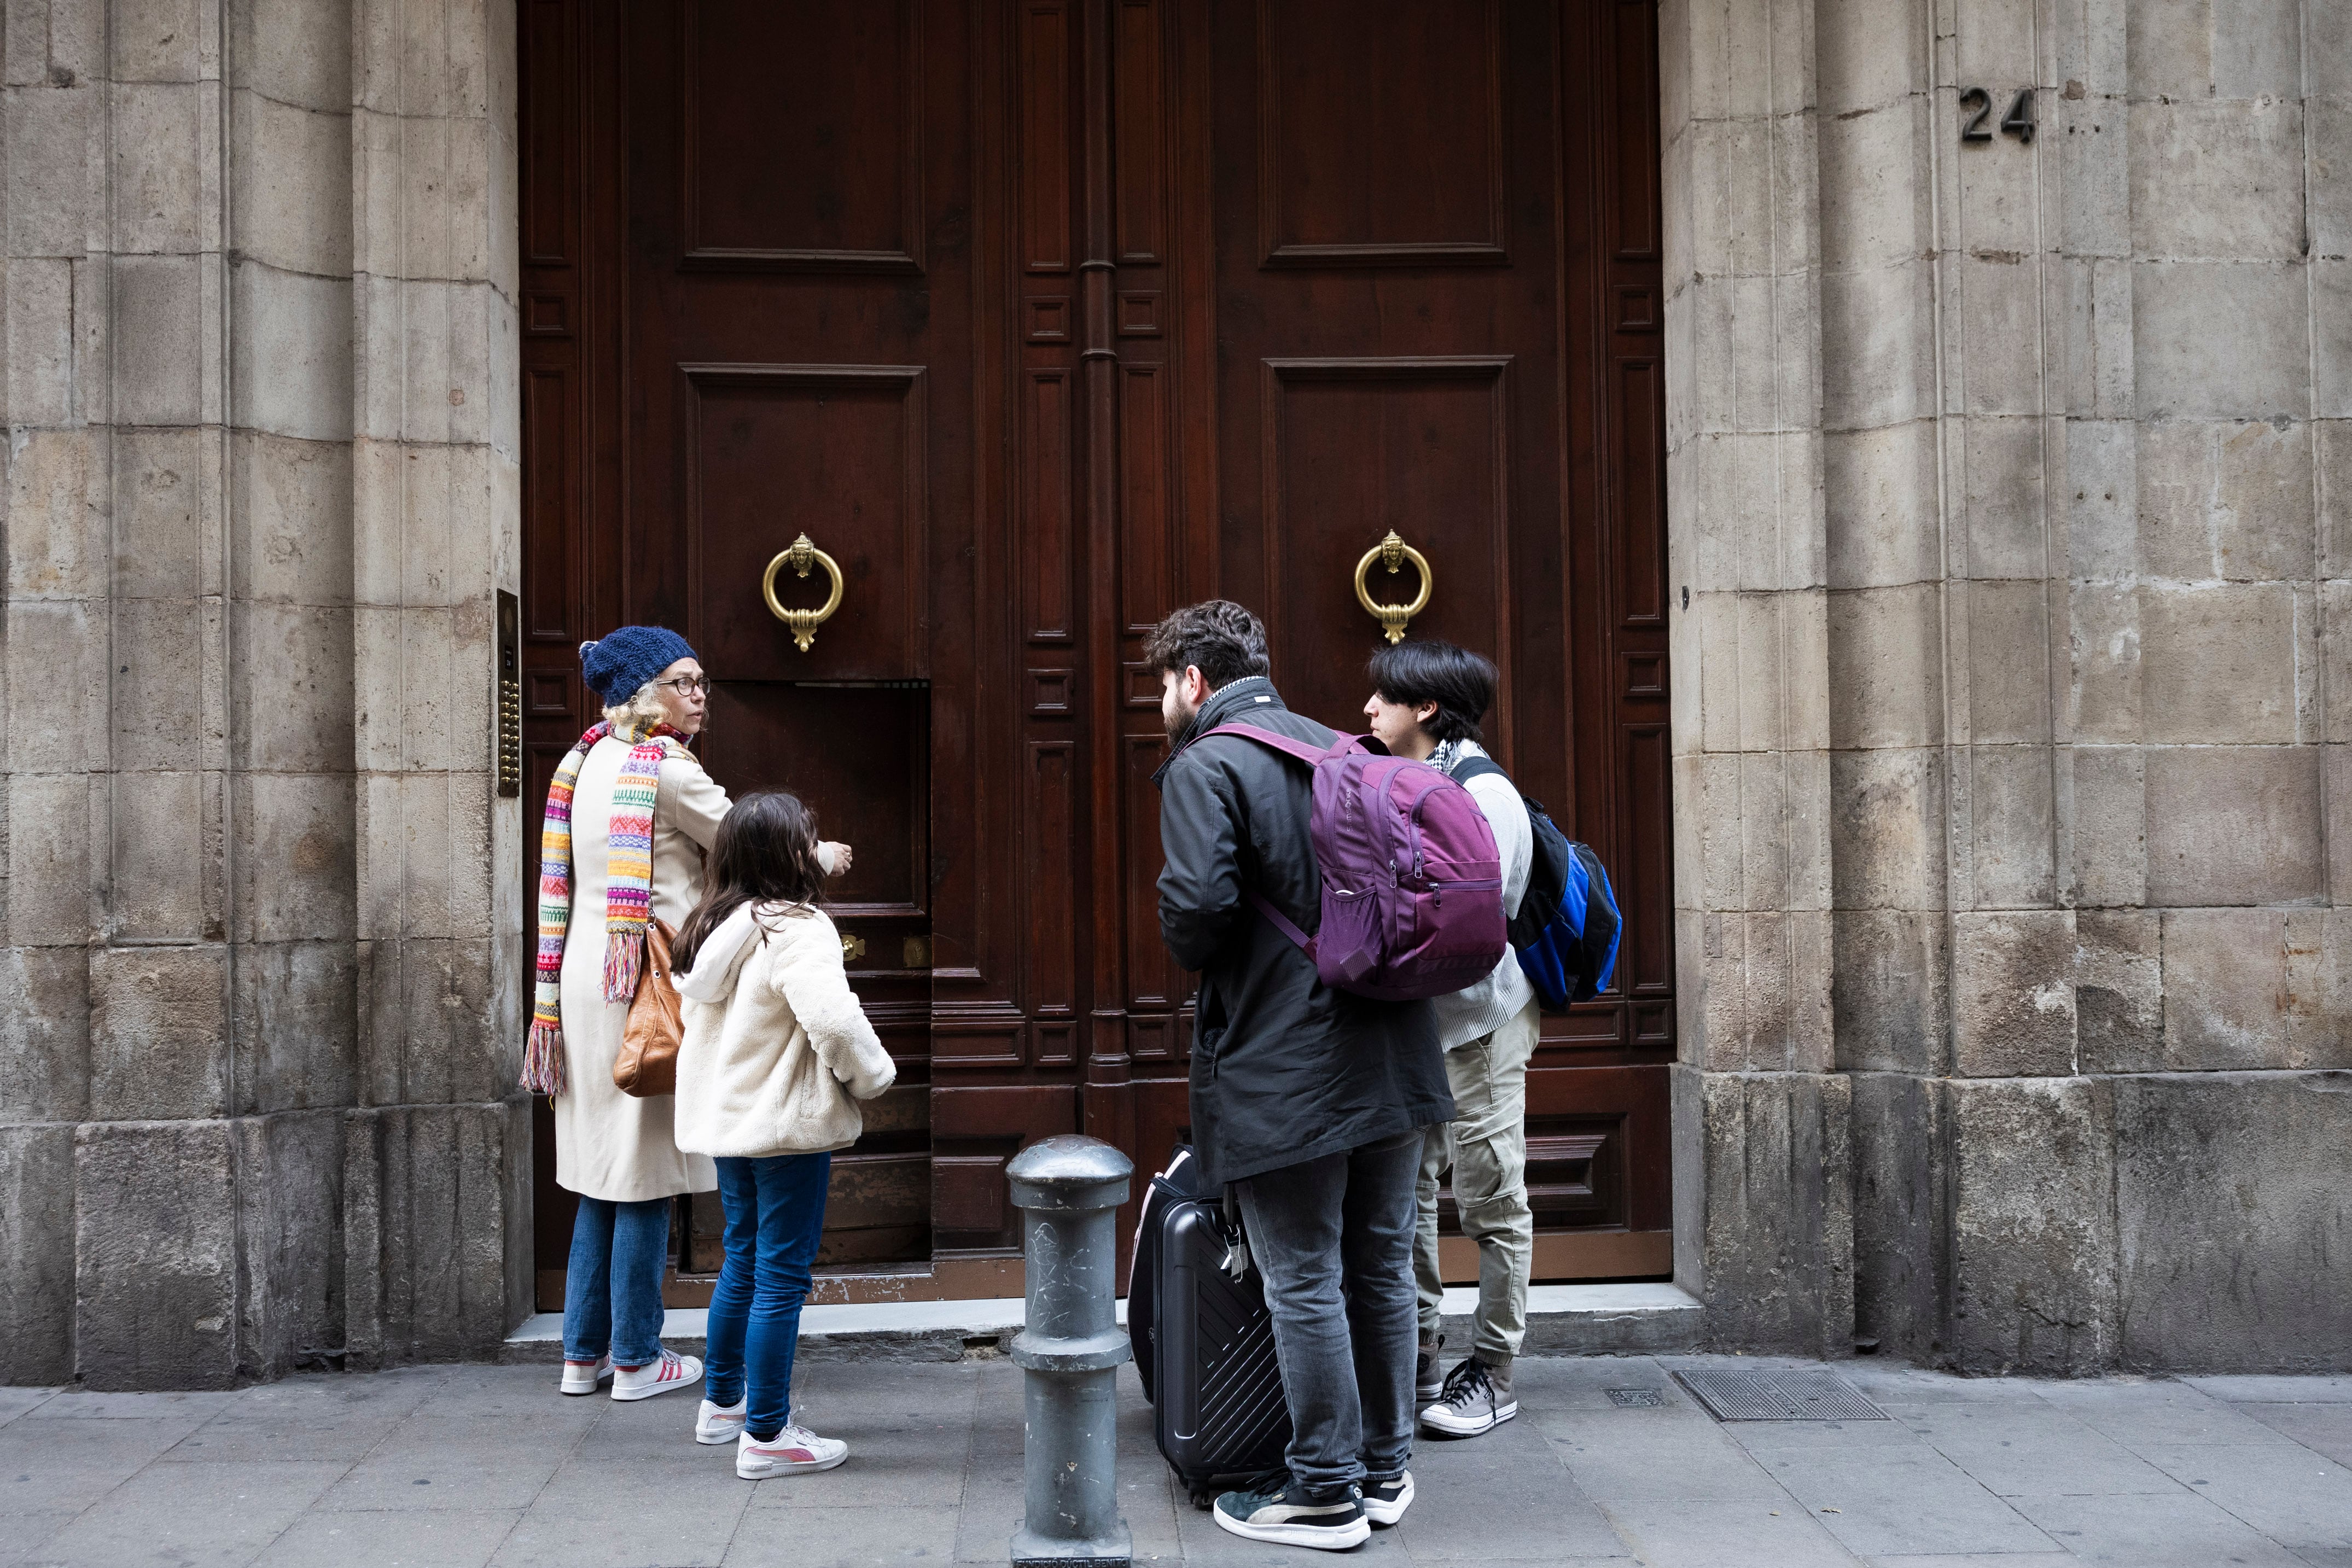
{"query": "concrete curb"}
pixel 1562 1320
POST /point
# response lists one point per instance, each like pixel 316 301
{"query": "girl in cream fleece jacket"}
pixel 776 1054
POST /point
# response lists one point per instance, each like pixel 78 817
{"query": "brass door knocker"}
pixel 800 557
pixel 1392 553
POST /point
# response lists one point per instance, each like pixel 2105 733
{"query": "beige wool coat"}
pixel 777 1051
pixel 609 1145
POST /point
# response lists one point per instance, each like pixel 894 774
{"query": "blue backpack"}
pixel 1567 929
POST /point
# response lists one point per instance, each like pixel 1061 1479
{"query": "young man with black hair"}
pixel 1427 700
pixel 1312 1103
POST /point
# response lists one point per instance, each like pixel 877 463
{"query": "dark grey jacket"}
pixel 1284 1069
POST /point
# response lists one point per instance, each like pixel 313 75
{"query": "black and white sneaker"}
pixel 1428 1383
pixel 1385 1502
pixel 1478 1398
pixel 1289 1517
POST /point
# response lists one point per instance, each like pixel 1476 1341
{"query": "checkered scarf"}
pixel 628 892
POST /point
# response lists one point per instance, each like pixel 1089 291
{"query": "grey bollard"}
pixel 1068 1189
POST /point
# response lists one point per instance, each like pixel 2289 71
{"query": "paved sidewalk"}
pixel 460 1466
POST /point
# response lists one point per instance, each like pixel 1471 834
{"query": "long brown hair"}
pixel 765 853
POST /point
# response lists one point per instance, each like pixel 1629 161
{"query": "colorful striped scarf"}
pixel 628 892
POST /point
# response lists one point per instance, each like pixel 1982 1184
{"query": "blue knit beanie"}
pixel 625 658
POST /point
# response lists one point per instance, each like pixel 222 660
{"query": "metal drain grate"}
pixel 1779 1396
pixel 1636 1398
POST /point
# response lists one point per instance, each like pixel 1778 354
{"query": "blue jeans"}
pixel 1333 1239
pixel 612 1289
pixel 775 1216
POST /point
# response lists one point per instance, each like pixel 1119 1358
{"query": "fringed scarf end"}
pixel 624 955
pixel 543 1060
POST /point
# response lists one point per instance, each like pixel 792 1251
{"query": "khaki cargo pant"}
pixel 1486 1148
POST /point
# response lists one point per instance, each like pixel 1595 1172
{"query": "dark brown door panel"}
pixel 1041 317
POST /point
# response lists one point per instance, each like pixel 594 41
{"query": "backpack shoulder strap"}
pixel 1303 751
pixel 1311 755
pixel 1471 767
pixel 1282 923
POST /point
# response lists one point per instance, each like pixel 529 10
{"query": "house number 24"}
pixel 2018 122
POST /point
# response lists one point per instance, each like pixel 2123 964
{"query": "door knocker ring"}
pixel 1392 553
pixel 800 557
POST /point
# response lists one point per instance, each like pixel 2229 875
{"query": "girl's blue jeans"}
pixel 776 1216
pixel 612 1289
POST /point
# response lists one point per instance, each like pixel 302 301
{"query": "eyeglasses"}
pixel 687 686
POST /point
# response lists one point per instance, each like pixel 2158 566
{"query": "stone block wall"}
pixel 2011 485
pixel 259 486
pixel 2060 425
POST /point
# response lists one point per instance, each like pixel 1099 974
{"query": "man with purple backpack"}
pixel 1310 1099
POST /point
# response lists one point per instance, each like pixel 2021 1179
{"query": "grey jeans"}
pixel 1333 1240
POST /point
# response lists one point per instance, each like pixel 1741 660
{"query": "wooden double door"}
pixel 1040 318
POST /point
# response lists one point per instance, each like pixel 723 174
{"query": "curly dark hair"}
pixel 1216 636
pixel 1425 670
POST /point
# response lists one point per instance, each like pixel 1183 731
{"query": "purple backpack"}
pixel 1412 884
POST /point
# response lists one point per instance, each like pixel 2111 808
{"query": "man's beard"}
pixel 1177 726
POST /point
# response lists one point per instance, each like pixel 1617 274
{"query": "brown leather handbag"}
pixel 647 1064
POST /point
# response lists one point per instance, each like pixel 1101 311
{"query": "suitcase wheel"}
pixel 1203 1499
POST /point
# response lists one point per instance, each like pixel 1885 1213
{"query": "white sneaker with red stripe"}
pixel 582 1376
pixel 672 1371
pixel 788 1453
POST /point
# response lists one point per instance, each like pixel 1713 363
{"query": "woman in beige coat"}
pixel 612 870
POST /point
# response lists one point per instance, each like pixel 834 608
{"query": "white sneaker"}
pixel 672 1371
pixel 582 1376
pixel 788 1453
pixel 718 1424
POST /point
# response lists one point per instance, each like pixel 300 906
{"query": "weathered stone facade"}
pixel 261 952
pixel 2011 486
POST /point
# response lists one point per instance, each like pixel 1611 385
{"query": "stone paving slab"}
pixel 15 1402
pixel 486 1466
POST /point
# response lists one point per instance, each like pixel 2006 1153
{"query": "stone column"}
pixel 179 718
pixel 439 1165
pixel 1762 1178
pixel 2209 666
pixel 1980 1196
pixel 2080 499
pixel 184 974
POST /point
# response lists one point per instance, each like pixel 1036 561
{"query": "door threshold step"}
pixel 1562 1320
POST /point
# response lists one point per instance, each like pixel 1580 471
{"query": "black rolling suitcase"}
pixel 1203 1339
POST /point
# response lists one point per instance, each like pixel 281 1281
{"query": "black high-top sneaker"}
pixel 1478 1398
pixel 1428 1383
pixel 1290 1516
